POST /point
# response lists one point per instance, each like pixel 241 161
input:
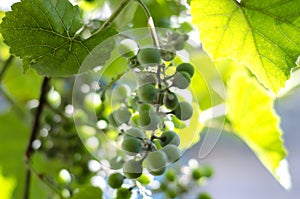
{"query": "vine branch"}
pixel 113 16
pixel 5 67
pixel 34 132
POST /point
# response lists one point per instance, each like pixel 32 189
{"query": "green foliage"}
pixel 248 31
pixel 251 113
pixel 45 35
pixel 146 116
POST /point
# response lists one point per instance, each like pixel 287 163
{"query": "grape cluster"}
pixel 141 117
pixel 179 181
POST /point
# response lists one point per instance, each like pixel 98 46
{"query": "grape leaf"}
pixel 262 35
pixel 251 112
pixel 44 35
pixel 7 186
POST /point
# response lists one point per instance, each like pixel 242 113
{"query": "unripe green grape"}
pixel 131 145
pixel 167 55
pixel 134 102
pixel 204 196
pixel 181 80
pixel 115 180
pixel 144 179
pixel 197 174
pixel 133 62
pixel 128 48
pixel 92 102
pixel 149 56
pixel 121 92
pixel 54 98
pixel 135 132
pixel 164 23
pixel 173 152
pixel 170 100
pixel 183 111
pixel 206 171
pixel 179 45
pixel 186 67
pixel 147 93
pixel 169 137
pixel 122 115
pixel 132 169
pixel 148 118
pixel 170 175
pixel 156 162
pixel 134 120
pixel 147 78
pixel 172 191
pixel 123 193
pixel 116 163
pixel 180 42
pixel 112 121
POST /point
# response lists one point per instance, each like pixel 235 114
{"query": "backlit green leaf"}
pixel 251 112
pixel 263 35
pixel 44 35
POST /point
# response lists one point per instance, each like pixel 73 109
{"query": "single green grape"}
pixel 186 67
pixel 173 152
pixel 134 102
pixel 204 196
pixel 171 175
pixel 183 111
pixel 132 169
pixel 115 180
pixel 197 174
pixel 131 145
pixel 112 121
pixel 206 171
pixel 116 163
pixel 167 55
pixel 147 93
pixel 181 80
pixel 180 42
pixel 169 137
pixel 123 193
pixel 135 132
pixel 170 100
pixel 144 179
pixel 122 115
pixel 147 78
pixel 133 63
pixel 164 23
pixel 172 191
pixel 122 92
pixel 148 118
pixel 128 48
pixel 149 56
pixel 134 120
pixel 156 162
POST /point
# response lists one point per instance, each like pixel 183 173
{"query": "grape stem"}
pixel 109 85
pixel 34 132
pixel 113 16
pixel 150 24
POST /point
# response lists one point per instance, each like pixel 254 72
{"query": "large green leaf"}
pixel 251 112
pixel 263 35
pixel 43 34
